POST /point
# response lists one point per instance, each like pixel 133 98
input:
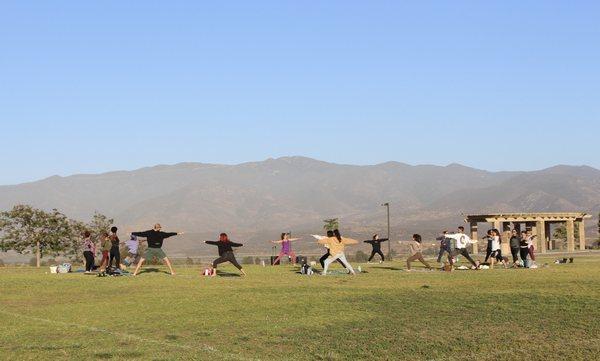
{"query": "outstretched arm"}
pixel 233 244
pixel 384 239
pixel 369 241
pixel 141 234
pixel 349 241
pixel 276 241
pixel 170 234
pixel 214 243
pixel 469 240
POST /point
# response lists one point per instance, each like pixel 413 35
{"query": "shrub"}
pixel 360 256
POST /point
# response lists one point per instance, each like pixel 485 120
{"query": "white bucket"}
pixel 53 269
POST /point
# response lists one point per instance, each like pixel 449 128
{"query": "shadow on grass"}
pixel 227 274
pixel 125 355
pixel 152 270
pixel 389 268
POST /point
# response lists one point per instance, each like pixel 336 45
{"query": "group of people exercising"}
pixel 452 244
pixel 154 238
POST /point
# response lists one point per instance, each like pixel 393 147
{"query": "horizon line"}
pixel 234 164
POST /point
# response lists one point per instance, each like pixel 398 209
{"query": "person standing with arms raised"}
pixel 462 240
pixel 336 245
pixel 225 247
pixel 376 247
pixel 286 248
pixel 155 238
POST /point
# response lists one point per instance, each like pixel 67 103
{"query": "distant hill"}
pixel 255 201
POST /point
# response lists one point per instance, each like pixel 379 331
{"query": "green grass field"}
pixel 275 314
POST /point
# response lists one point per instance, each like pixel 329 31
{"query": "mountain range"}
pixel 256 201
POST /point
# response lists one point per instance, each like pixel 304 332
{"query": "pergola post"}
pixel 548 233
pixel 570 235
pixel 541 228
pixel 505 237
pixel 581 235
pixel 539 224
pixel 474 236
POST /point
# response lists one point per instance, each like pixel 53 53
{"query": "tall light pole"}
pixel 387 206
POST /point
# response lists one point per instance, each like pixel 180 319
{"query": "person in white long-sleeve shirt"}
pixel 462 240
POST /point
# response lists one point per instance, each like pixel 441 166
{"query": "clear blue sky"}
pixel 108 85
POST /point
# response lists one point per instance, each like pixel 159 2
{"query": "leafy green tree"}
pixel 331 224
pixel 598 229
pixel 26 230
pixel 99 224
pixel 560 232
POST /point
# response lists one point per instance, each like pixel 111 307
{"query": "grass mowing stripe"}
pixel 205 348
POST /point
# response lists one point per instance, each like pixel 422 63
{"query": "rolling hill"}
pixel 255 201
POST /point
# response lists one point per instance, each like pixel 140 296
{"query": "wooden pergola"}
pixel 538 223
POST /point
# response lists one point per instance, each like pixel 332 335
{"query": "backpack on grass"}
pixel 306 270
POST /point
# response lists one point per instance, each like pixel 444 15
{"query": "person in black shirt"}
pixel 155 238
pixel 376 244
pixel 488 250
pixel 515 245
pixel 225 253
pixel 115 252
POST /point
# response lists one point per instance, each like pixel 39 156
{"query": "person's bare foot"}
pixel 243 273
pixel 173 274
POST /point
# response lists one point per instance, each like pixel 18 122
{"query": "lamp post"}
pixel 387 206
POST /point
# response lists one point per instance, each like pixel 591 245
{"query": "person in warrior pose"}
pixel 462 240
pixel 155 238
pixel 416 252
pixel 336 244
pixel 286 248
pixel 376 247
pixel 327 254
pixel 133 246
pixel 225 253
